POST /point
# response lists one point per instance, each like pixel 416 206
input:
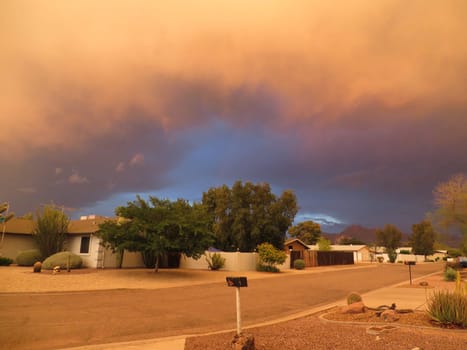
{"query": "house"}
pixel 17 236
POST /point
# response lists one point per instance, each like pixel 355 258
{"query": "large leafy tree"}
pixel 307 231
pixel 389 237
pixel 248 214
pixel 422 238
pixel 161 226
pixel 50 230
pixel 451 202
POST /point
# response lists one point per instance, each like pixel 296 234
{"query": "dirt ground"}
pixel 17 279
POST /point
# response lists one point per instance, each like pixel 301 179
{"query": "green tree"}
pixel 324 244
pixel 422 239
pixel 450 198
pixel 271 256
pixel 249 214
pixel 162 226
pixel 118 236
pixel 307 231
pixel 389 237
pixel 50 230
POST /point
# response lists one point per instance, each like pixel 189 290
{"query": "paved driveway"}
pixel 58 320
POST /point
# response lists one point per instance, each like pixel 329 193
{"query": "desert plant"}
pixel 448 308
pixel 299 264
pixel 353 298
pixel 62 259
pixel 28 257
pixel 37 266
pixel 450 274
pixel 4 261
pixel 215 261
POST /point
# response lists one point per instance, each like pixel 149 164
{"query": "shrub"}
pixel 266 268
pixel 61 259
pixel 28 257
pixel 353 298
pixel 299 264
pixel 404 252
pixel 215 261
pixel 450 274
pixel 271 256
pixel 4 261
pixel 448 308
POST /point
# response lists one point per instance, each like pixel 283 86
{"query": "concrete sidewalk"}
pixel 403 297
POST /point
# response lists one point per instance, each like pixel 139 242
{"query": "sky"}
pixel 358 106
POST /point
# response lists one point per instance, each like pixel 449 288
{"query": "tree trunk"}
pixel 120 258
pixel 156 266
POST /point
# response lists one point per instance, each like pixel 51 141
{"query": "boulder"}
pixel 355 308
pixel 243 341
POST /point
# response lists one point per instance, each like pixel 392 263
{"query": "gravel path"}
pixel 311 333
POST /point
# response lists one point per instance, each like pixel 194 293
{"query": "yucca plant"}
pixel 449 308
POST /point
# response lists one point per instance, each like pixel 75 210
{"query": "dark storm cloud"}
pixel 359 107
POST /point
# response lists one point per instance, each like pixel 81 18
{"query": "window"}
pixel 84 247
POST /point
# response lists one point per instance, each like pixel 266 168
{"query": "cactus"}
pixel 37 266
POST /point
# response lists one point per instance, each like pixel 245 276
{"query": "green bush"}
pixel 271 256
pixel 215 261
pixel 299 264
pixel 448 308
pixel 450 274
pixel 4 261
pixel 404 252
pixel 61 259
pixel 353 298
pixel 28 257
pixel 266 268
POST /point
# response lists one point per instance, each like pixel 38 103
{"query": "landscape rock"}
pixel 355 308
pixel 243 341
pixel 389 316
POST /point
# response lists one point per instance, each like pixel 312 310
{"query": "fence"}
pixel 235 261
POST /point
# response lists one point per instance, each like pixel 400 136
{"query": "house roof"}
pixel 341 247
pixel 292 240
pixel 89 225
pixel 23 226
pixel 18 226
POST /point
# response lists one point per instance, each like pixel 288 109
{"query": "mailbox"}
pixel 237 282
pixel 409 262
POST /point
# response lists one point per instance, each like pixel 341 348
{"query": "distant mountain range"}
pixel 368 236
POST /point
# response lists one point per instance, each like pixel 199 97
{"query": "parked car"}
pixel 463 261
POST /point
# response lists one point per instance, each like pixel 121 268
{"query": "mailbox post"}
pixel 410 263
pixel 237 282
